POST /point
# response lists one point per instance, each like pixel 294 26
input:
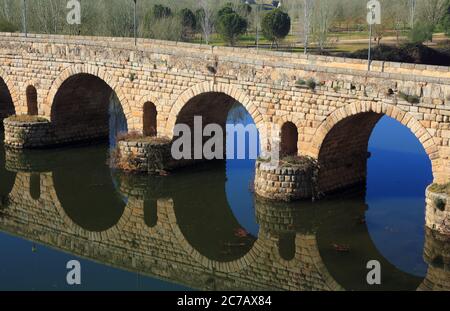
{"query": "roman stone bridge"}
pixel 322 107
pixel 156 234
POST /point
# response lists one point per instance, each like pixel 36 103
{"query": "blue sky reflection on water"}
pixel 398 173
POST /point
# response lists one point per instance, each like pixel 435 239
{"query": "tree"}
pixel 188 22
pixel 432 12
pixel 421 33
pixel 308 7
pixel 161 11
pixel 230 26
pixel 226 9
pixel 276 25
pixel 323 17
pixel 446 21
pixel 244 9
pixel 205 17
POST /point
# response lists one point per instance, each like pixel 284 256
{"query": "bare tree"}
pixel 206 19
pixel 323 17
pixel 308 8
pixel 412 12
pixel 433 11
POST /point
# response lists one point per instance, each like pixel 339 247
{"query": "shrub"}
pixel 406 53
pixel 412 99
pixel 169 28
pixel 421 33
pixel 134 136
pixel 300 82
pixel 311 84
pixel 161 11
pixel 6 26
pixel 188 22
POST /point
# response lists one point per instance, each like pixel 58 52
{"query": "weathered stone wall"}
pixel 42 219
pixel 437 256
pixel 21 135
pixel 144 156
pixel 170 74
pixel 284 183
pixel 437 211
pixel 6 103
pixel 127 245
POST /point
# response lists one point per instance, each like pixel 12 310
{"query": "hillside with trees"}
pixel 411 30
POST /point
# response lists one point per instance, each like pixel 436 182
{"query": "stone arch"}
pixel 12 92
pixel 86 104
pixel 232 266
pixel 98 72
pixel 150 119
pixel 160 119
pixel 210 87
pixel 289 139
pixel 277 127
pixel 379 109
pixel 31 100
pixel 74 228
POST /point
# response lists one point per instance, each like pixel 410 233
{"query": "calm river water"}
pixel 216 213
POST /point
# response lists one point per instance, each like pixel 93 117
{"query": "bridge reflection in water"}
pixel 181 229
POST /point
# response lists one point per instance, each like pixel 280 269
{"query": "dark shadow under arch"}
pixel 85 189
pixel 6 103
pixel 289 139
pixel 32 100
pixel 150 119
pixel 81 109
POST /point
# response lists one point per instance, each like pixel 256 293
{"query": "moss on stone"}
pixel 139 138
pixel 440 188
pixel 27 119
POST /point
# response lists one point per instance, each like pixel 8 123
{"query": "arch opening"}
pixel 205 218
pixel 85 189
pixel 223 233
pixel 150 119
pixel 150 213
pixel 35 186
pixel 6 103
pixel 32 101
pixel 218 108
pixel 344 152
pixel 289 139
pixel 286 245
pixel 391 168
pixel 86 108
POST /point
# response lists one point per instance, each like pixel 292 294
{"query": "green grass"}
pixel 27 118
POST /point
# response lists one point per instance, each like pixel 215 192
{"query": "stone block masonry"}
pixel 21 135
pixel 152 156
pixel 284 183
pixel 437 211
pixel 76 77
